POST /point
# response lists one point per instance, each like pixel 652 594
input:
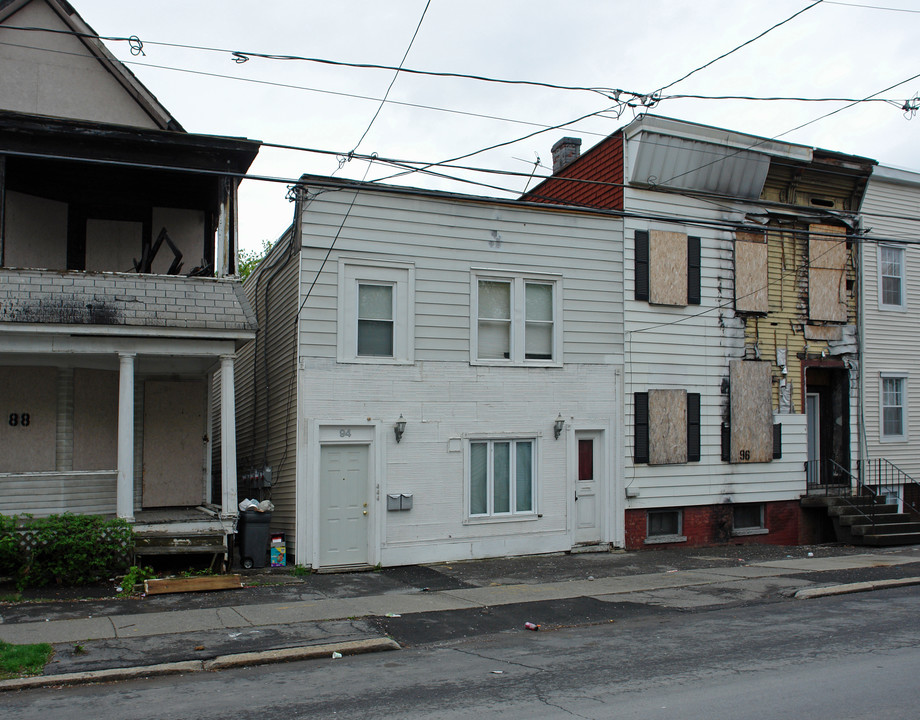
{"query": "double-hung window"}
pixel 515 319
pixel 894 407
pixel 501 477
pixel 375 312
pixel 891 278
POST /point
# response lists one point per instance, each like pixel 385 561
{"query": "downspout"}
pixel 863 444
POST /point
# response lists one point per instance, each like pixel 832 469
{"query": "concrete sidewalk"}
pixel 268 631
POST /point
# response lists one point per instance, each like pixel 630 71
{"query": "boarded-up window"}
pixel 667 427
pixel 95 420
pixel 827 261
pixel 667 268
pixel 28 419
pixel 751 411
pixel 751 276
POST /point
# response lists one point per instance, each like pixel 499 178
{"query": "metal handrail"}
pixel 881 477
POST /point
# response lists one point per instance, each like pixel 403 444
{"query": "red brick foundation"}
pixel 712 525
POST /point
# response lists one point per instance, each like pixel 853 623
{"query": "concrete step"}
pixel 856 508
pixel 880 518
pixel 885 528
pixel 909 538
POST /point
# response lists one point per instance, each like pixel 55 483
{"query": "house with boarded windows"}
pixel 436 377
pixel 740 324
pixel 117 296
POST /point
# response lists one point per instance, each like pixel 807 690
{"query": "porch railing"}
pixel 827 477
pixel 887 483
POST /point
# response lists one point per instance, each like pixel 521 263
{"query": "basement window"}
pixel 667 268
pixel 664 526
pixel 748 519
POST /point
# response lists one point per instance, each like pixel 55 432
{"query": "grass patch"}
pixel 300 571
pixel 11 598
pixel 22 660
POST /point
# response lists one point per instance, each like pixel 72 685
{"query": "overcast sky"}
pixel 832 50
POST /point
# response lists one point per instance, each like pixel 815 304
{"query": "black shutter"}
pixel 640 427
pixel 641 278
pixel 726 442
pixel 694 271
pixel 777 441
pixel 693 427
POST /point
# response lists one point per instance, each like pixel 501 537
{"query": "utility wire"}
pixel 739 47
pixel 395 75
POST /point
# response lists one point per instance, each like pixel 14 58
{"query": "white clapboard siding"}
pixel 445 240
pixel 689 348
pixel 891 343
pixel 442 396
pixel 42 494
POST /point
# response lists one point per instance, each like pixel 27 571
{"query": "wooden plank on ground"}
pixel 192 584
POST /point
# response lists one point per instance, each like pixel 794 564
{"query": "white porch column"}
pixel 125 485
pixel 227 437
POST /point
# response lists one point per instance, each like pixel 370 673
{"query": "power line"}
pixel 395 75
pixel 733 50
pixel 871 7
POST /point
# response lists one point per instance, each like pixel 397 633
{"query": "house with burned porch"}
pixel 740 321
pixel 117 297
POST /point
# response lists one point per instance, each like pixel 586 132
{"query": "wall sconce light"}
pixel 558 425
pixel 399 428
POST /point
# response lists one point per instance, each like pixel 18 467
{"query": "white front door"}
pixel 813 419
pixel 588 471
pixel 343 534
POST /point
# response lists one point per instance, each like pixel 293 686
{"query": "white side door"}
pixel 343 534
pixel 588 473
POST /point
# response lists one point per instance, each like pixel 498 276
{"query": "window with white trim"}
pixel 891 277
pixel 376 312
pixel 893 396
pixel 502 477
pixel 664 526
pixel 748 519
pixel 515 319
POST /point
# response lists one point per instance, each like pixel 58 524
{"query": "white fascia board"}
pixel 19 343
pixel 895 175
pixel 130 331
pixel 717 136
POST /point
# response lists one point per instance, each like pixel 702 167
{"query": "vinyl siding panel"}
pixel 42 494
pixel 266 386
pixel 890 342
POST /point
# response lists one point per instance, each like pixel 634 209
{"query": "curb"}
pixel 222 662
pixel 810 593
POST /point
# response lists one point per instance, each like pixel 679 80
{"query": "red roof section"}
pixel 601 166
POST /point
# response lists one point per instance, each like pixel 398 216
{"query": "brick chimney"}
pixel 565 152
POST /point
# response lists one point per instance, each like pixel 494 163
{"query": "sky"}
pixel 829 50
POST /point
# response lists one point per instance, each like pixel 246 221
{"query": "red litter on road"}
pixel 531 626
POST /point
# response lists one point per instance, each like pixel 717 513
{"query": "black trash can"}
pixel 252 538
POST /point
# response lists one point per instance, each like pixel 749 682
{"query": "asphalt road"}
pixel 852 656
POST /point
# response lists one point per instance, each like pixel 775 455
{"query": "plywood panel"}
pixel 827 261
pixel 28 419
pixel 751 276
pixel 667 419
pixel 751 411
pixel 174 425
pixel 95 423
pixel 667 268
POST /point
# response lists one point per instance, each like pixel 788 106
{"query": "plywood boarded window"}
pixel 667 427
pixel 751 275
pixel 751 411
pixel 827 261
pixel 95 420
pixel 667 268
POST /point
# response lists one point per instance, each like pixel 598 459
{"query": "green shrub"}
pixel 66 549
pixel 10 552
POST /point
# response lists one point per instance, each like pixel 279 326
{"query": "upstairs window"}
pixel 375 312
pixel 894 407
pixel 516 320
pixel 891 278
pixel 751 273
pixel 827 265
pixel 667 268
